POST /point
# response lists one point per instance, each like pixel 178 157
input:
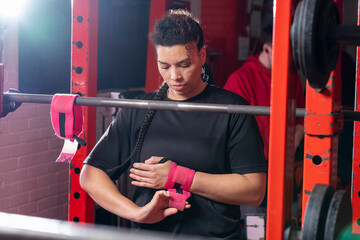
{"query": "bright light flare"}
pixel 11 8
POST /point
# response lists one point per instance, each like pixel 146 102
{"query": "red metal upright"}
pixel 323 123
pixel 84 81
pixel 355 193
pixel 282 124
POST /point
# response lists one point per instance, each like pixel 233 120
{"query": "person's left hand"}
pixel 151 174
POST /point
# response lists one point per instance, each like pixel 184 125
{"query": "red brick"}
pixel 28 160
pixel 62 199
pixel 12 210
pixel 28 209
pixel 28 111
pixel 40 122
pixel 48 156
pixel 39 145
pixel 29 136
pixel 18 125
pixel 12 115
pixel 57 167
pixel 49 213
pixel 8 190
pixel 4 127
pixel 27 185
pixel 45 180
pixel 20 150
pixel 58 188
pixel 62 176
pixel 47 132
pixel 9 165
pixel 38 194
pixel 37 171
pixel 9 139
pixel 4 153
pixel 19 199
pixel 44 109
pixel 4 203
pixel 55 143
pixel 16 175
pixel 46 203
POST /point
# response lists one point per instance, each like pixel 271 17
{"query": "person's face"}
pixel 268 51
pixel 180 67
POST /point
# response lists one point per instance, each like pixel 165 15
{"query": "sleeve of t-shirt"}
pixel 113 147
pixel 245 146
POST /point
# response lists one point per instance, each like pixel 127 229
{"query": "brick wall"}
pixel 31 183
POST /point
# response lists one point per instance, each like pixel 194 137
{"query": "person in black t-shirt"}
pixel 191 170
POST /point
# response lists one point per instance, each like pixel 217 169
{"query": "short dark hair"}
pixel 266 35
pixel 177 27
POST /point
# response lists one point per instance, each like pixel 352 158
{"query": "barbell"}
pixel 11 98
pixel 315 39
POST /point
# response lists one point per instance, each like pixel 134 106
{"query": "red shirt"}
pixel 253 82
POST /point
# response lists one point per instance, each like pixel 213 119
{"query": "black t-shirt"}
pixel 216 143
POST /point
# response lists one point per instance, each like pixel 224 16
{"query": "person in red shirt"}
pixel 252 81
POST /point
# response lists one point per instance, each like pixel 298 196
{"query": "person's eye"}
pixel 185 65
pixel 165 67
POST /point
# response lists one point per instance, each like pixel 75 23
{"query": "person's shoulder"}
pixel 245 71
pixel 224 96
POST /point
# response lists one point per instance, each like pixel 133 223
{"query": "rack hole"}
pixel 79 19
pixel 76 195
pixel 77 170
pixel 78 70
pixel 317 160
pixel 76 219
pixel 79 44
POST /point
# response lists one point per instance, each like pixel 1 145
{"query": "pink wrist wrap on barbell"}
pixel 179 177
pixel 66 118
pixel 178 198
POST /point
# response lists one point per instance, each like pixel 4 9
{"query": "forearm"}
pixel 104 192
pixel 248 189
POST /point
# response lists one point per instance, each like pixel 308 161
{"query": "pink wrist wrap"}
pixel 67 122
pixel 178 198
pixel 67 118
pixel 179 177
pixel 178 184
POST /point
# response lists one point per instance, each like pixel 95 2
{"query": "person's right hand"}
pixel 157 209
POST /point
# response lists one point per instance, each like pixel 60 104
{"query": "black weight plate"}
pixel 316 212
pixel 310 40
pixel 296 36
pixel 339 215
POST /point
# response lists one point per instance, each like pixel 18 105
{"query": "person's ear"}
pixel 203 55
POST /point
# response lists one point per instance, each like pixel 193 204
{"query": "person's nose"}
pixel 174 73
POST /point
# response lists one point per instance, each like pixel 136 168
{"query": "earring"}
pixel 204 76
